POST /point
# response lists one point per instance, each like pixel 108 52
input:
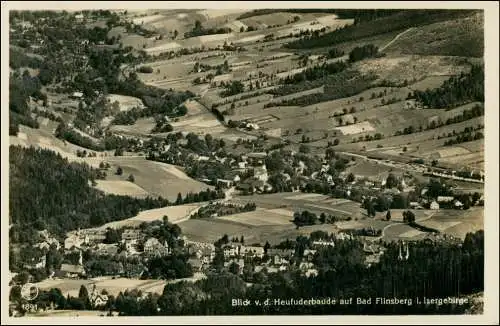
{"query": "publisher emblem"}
pixel 29 292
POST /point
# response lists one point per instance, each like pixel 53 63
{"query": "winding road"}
pixel 399 223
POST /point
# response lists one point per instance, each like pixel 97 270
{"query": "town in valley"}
pixel 175 161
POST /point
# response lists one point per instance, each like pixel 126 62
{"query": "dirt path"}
pixel 399 223
pixel 395 39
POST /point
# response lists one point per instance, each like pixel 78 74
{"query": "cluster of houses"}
pixel 93 240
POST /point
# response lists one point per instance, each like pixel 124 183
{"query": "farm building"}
pixel 252 251
pixel 107 249
pixel 309 254
pixel 323 243
pixel 76 95
pixel 256 158
pixel 74 241
pixel 153 247
pixel 277 260
pixel 234 176
pixel 231 251
pixel 131 234
pixel 434 205
pixel 260 173
pixel 415 205
pixel 239 262
pixel 445 199
pixel 284 253
pixel 225 183
pixel 71 271
pixel 36 263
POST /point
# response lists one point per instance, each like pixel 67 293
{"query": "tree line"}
pixel 458 90
pixel 48 192
pixel 223 209
pixel 395 21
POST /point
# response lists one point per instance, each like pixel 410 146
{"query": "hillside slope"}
pixel 458 37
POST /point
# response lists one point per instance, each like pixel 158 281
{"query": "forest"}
pixel 199 30
pixel 357 14
pixel 458 90
pixel 398 21
pixel 49 192
pixel 157 101
pixel 215 210
pixel 21 88
pixel 74 137
pixel 343 84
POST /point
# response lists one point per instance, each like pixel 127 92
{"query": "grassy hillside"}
pixel 458 37
pixel 48 192
pixel 398 21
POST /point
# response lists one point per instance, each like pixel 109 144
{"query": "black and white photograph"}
pixel 276 159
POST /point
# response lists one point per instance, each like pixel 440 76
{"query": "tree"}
pixel 112 236
pixel 475 198
pixel 119 171
pixel 322 218
pixel 234 268
pixel 233 88
pixel 179 199
pixel 408 217
pixel 329 153
pixel 388 215
pixel 266 246
pixel 336 142
pixel 391 181
pixel 197 25
pixel 304 149
pixel 83 295
pixel 350 177
pixel 131 178
pixel 176 33
pixel 370 208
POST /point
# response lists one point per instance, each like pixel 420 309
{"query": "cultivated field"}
pixel 157 179
pixel 210 230
pixel 125 102
pixel 122 188
pixel 112 285
pixel 261 217
pixel 462 37
pixel 41 138
pixel 458 223
pixel 142 126
pixel 412 67
pixel 316 203
pixel 175 214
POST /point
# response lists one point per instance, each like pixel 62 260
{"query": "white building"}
pixel 434 205
pixel 153 247
pixel 261 173
pixel 252 251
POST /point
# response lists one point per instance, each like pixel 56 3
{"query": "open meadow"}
pixel 153 178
